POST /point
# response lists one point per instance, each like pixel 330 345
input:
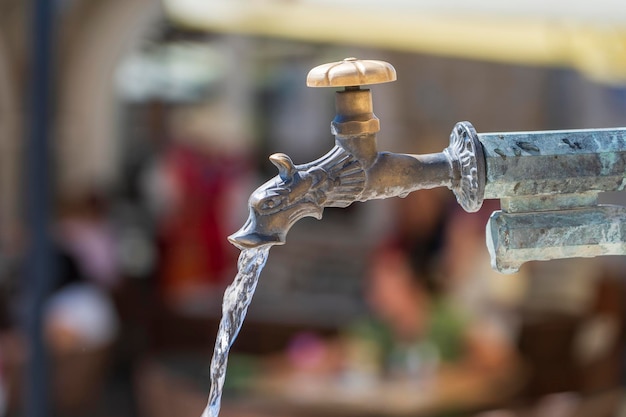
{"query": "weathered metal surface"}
pixel 557 162
pixel 548 183
pixel 546 202
pixel 516 238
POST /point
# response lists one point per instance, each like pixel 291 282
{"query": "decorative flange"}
pixel 468 163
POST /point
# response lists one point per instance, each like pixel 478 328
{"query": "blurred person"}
pixel 78 315
pixel 80 318
pixel 490 299
pixel 410 292
pixel 415 329
pixel 195 188
pixel 79 326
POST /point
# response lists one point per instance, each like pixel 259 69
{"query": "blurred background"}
pixel 132 133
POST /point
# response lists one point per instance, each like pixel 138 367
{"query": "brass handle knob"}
pixel 351 72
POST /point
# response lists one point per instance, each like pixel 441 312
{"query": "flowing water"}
pixel 237 298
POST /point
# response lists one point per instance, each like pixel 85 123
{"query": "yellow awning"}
pixel 592 40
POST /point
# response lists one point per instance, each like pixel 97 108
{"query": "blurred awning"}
pixel 587 35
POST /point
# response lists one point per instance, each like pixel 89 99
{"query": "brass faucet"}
pixel 548 182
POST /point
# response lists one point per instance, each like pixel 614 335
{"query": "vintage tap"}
pixel 547 182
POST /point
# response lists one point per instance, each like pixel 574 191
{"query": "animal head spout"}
pixel 276 205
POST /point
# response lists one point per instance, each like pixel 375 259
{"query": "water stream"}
pixel 237 298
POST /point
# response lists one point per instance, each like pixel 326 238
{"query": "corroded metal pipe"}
pixel 554 162
pixel 548 183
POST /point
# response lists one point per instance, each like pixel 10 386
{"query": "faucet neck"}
pixel 355 113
